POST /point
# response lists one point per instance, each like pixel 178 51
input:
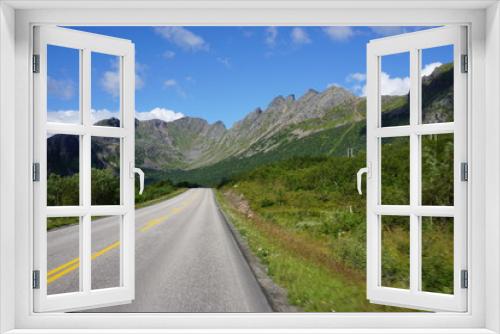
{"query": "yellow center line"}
pixel 67 264
pixel 63 273
pixel 152 223
pixel 74 264
pixel 68 267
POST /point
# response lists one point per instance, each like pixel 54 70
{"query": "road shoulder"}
pixel 276 295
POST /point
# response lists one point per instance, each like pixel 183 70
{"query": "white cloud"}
pixel 340 34
pixel 159 113
pixel 359 77
pixel 98 115
pixel 271 35
pixel 170 83
pixel 388 85
pixel 224 61
pixel 300 36
pixel 73 116
pixel 358 80
pixel 169 54
pixel 64 116
pixel 395 85
pixel 173 84
pixel 429 68
pixel 110 80
pixel 359 89
pixel 63 89
pixel 183 38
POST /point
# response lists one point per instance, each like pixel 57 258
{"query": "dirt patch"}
pixel 300 245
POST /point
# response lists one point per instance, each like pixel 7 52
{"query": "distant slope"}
pixel 333 142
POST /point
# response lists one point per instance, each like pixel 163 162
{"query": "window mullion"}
pixel 85 235
pixel 415 258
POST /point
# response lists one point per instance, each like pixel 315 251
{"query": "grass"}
pixel 314 279
pixel 304 219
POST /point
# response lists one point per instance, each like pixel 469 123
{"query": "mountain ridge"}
pixel 191 143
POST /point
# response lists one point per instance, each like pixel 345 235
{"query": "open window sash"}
pixel 84 296
pixel 413 295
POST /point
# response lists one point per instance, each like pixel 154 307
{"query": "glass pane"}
pixel 106 86
pixel 437 254
pixel 437 169
pixel 437 84
pixel 395 89
pixel 63 251
pixel 395 170
pixel 396 251
pixel 63 84
pixel 105 252
pixel 63 165
pixel 105 171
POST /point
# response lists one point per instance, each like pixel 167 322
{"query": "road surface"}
pixel 186 260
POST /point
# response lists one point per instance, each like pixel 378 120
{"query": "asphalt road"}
pixel 186 260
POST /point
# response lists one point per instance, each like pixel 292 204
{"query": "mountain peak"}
pixel 219 124
pixel 191 120
pixel 278 101
pixel 114 122
pixel 310 93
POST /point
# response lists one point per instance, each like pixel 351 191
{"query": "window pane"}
pixel 437 84
pixel 63 84
pixel 63 251
pixel 437 254
pixel 63 165
pixel 396 251
pixel 105 252
pixel 395 170
pixel 106 86
pixel 105 171
pixel 395 89
pixel 437 169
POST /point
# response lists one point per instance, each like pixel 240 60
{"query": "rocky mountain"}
pixel 287 124
pixel 189 143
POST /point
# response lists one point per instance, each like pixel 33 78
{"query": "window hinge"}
pixel 465 64
pixel 36 63
pixel 464 280
pixel 36 172
pixel 36 279
pixel 464 171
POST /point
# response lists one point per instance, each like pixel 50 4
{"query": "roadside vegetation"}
pixel 305 221
pixel 64 190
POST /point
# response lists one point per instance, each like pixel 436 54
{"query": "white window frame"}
pixel 85 44
pixel 414 44
pixel 483 18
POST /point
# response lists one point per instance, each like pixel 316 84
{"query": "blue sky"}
pixel 223 73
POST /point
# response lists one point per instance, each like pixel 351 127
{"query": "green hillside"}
pixel 306 222
pixel 330 142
